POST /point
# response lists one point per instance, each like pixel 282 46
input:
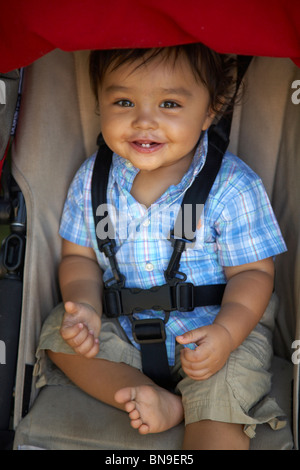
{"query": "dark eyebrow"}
pixel 114 88
pixel 176 91
pixel 168 91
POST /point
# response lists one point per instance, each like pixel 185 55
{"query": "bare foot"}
pixel 151 408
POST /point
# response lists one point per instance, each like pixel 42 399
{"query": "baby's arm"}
pixel 80 281
pixel 245 299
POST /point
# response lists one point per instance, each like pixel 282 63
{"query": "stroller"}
pixel 57 129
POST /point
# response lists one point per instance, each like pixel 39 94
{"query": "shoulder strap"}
pixel 198 192
pixel 99 186
pixel 194 199
pixel 98 191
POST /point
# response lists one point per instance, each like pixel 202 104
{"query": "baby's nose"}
pixel 145 119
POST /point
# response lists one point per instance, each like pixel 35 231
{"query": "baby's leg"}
pixel 99 378
pixel 151 408
pixel 215 435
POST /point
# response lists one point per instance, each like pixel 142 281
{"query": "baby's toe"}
pixel 134 414
pixel 144 429
pixel 124 395
pixel 136 423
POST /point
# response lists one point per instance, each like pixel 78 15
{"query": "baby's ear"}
pixel 217 110
pixel 209 119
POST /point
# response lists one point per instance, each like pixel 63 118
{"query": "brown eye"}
pixel 169 104
pixel 124 103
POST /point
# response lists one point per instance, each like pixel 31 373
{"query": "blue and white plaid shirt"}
pixel 238 226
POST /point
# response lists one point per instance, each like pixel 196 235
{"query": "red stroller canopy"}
pixel 29 29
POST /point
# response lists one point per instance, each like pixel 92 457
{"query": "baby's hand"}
pixel 80 328
pixel 213 349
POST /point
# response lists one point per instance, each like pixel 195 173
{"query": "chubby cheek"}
pixel 186 136
pixel 113 143
pixel 113 132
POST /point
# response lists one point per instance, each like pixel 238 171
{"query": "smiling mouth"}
pixel 146 146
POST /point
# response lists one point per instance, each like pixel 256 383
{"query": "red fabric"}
pixel 1 166
pixel 2 163
pixel 29 29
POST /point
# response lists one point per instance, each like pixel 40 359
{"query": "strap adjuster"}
pixel 185 296
pixel 112 303
pixel 148 331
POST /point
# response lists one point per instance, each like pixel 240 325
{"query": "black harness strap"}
pixel 195 198
pixel 151 336
pixel 99 183
pixel 182 297
pixel 203 182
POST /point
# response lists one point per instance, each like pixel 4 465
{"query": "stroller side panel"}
pixel 39 157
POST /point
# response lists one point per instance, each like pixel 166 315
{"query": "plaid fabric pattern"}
pixel 238 226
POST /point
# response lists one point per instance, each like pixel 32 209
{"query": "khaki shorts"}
pixel 235 394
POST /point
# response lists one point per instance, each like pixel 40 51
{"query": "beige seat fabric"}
pixel 57 131
pixel 65 418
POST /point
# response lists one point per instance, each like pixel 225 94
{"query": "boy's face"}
pixel 153 115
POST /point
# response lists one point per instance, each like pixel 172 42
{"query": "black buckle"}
pixel 185 296
pixel 148 331
pixel 118 302
pixel 125 301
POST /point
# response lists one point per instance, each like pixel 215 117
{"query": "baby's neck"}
pixel 148 186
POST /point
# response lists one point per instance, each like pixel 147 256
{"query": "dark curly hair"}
pixel 215 71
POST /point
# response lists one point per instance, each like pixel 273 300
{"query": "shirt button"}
pixel 149 267
pixel 146 223
pixel 128 164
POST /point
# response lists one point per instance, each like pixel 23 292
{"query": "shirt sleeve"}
pixel 247 230
pixel 73 225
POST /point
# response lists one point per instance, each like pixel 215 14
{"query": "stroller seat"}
pixel 57 130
